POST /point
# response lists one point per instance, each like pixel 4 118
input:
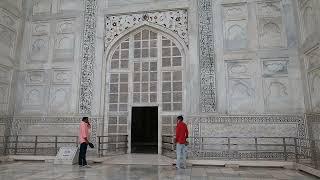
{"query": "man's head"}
pixel 85 119
pixel 179 119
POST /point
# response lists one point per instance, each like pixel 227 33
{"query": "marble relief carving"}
pixel 41 6
pixel 3 93
pixel 5 75
pixel 33 96
pixel 39 45
pixel 270 24
pixel 275 68
pixel 8 19
pixel 240 89
pixel 235 26
pixel 62 76
pixel 307 13
pixel 314 83
pixel 313 59
pixel 64 43
pixel 88 58
pixel 207 57
pixel 276 94
pixel 60 99
pixel 241 95
pixel 7 38
pixel 175 20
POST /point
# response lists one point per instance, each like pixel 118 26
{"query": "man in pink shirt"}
pixel 83 139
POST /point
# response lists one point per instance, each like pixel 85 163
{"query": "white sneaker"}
pixel 87 166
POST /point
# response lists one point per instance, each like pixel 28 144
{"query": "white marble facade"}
pixel 250 65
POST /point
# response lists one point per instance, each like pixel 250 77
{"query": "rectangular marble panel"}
pixel 36 77
pixel 41 7
pixel 248 130
pixel 61 76
pixel 275 67
pixel 50 129
pixel 237 11
pixel 69 5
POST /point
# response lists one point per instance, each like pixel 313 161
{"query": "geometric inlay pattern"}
pixel 174 20
pixel 88 57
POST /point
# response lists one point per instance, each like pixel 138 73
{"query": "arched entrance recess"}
pixel 144 68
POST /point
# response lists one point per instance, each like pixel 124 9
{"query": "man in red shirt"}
pixel 181 140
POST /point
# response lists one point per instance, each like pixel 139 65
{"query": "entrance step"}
pixel 146 159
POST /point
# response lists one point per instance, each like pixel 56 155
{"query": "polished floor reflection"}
pixel 46 171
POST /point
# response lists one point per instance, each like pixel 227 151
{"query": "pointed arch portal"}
pixel 144 76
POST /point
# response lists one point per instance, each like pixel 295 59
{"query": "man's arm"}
pixel 187 132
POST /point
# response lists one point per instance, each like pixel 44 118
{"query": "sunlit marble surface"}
pixel 46 171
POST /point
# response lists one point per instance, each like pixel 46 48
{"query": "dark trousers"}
pixel 82 154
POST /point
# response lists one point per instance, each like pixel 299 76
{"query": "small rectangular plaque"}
pixel 67 155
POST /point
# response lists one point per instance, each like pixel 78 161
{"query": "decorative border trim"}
pixel 207 57
pixel 88 57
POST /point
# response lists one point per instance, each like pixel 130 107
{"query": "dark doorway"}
pixel 144 130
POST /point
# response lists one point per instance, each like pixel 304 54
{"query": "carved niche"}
pixel 33 96
pixel 4 93
pixel 39 45
pixel 64 43
pixel 270 26
pixel 313 59
pixel 277 98
pixel 7 39
pixel 308 14
pixel 241 95
pixel 60 99
pixel 240 88
pixel 235 26
pixel 41 7
pixel 314 85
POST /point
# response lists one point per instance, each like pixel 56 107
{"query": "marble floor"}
pixel 48 171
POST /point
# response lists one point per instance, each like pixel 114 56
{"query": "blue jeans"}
pixel 181 155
